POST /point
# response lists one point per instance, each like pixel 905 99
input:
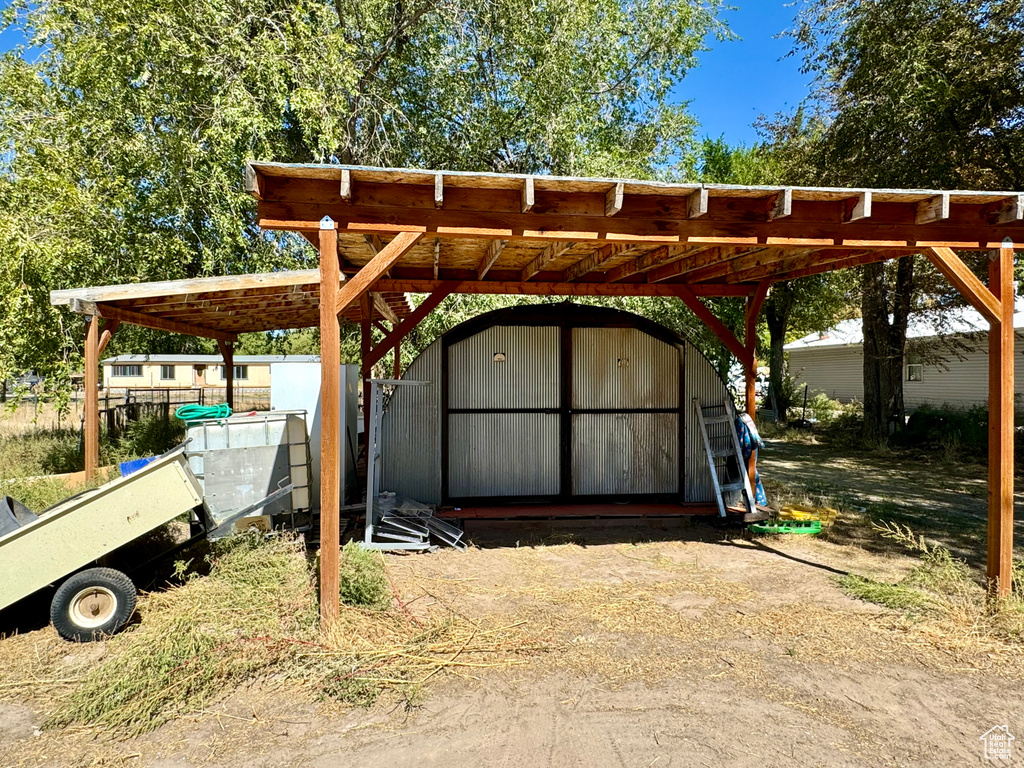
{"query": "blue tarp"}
pixel 751 442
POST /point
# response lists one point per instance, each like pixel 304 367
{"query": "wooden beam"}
pixel 252 182
pixel 965 281
pixel 227 352
pixel 517 288
pixel 107 331
pixel 697 203
pixel 399 332
pixel 190 287
pixel 1000 433
pixel 593 260
pixel 861 208
pixel 450 222
pixel 438 190
pixel 375 243
pixel 1008 211
pixel 330 424
pixel 110 312
pixel 545 257
pixel 491 254
pixel 91 414
pixel 365 347
pixel 527 194
pixel 933 209
pixel 613 199
pixel 751 314
pixel 370 273
pixel 706 316
pixel 383 309
pixel 781 205
pixel 345 190
pixel 731 263
pixel 796 273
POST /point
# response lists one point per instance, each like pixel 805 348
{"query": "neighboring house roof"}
pixel 211 359
pixel 921 326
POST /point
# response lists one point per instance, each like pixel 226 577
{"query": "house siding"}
pixel 184 376
pixel 961 381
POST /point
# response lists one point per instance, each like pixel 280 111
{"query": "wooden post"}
pixel 365 347
pixel 753 311
pixel 398 360
pixel 227 351
pixel 330 422
pixel 91 439
pixel 1000 425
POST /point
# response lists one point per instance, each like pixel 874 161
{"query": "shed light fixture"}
pixel 499 357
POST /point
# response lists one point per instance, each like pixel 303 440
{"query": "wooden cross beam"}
pixel 371 272
pixel 392 339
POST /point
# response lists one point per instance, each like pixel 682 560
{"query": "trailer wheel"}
pixel 92 604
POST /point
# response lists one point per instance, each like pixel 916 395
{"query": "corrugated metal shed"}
pixel 552 402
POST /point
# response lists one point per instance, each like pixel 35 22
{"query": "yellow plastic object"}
pixel 826 515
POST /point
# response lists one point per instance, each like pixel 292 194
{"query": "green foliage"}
pixel 125 127
pixel 900 597
pixel 918 93
pixel 362 579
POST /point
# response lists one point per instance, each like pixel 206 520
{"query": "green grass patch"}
pixel 901 596
pixel 362 579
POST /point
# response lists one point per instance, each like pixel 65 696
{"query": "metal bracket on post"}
pixel 373 457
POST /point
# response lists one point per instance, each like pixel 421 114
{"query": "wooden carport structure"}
pixel 387 232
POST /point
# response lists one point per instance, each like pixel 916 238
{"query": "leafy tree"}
pixel 913 93
pixel 125 124
pixel 793 307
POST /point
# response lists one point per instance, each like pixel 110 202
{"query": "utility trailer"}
pixel 55 546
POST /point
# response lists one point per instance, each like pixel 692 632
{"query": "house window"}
pixel 915 368
pixel 128 371
pixel 241 372
pixel 166 373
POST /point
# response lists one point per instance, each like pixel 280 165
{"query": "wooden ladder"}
pixel 727 445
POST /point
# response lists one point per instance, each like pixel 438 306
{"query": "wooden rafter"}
pixel 545 257
pixel 565 289
pixel 399 332
pixel 365 278
pixel 147 321
pixel 491 254
pixel 593 260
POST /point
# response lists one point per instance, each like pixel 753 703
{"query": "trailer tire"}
pixel 92 604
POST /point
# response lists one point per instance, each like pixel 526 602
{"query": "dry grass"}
pixel 253 618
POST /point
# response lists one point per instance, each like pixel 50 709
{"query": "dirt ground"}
pixel 669 643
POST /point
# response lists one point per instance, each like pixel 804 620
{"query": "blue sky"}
pixel 736 80
pixel 741 79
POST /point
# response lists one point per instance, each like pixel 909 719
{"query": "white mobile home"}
pixel 946 361
pixel 192 371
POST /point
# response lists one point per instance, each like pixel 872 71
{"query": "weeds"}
pixel 254 617
pixel 362 579
pixel 941 586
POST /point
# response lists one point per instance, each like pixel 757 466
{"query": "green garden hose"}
pixel 193 412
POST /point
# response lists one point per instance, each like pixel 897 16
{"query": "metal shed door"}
pixel 625 413
pixel 503 427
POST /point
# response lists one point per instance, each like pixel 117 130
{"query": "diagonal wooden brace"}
pixel 706 316
pixel 971 288
pixel 375 269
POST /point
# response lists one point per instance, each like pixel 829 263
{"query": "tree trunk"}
pixel 885 342
pixel 778 308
